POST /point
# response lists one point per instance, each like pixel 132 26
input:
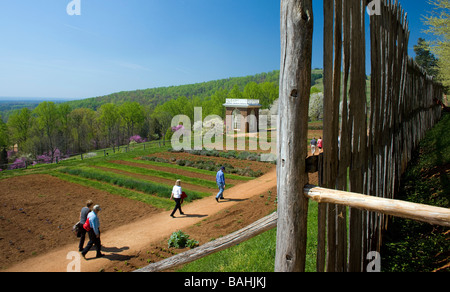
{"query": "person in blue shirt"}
pixel 220 180
pixel 94 233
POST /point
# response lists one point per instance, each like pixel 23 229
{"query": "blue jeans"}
pixel 220 193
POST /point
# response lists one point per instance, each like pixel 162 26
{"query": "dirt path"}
pixel 129 239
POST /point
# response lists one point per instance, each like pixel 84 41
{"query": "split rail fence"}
pixel 367 141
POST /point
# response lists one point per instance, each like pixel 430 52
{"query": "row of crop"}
pixel 157 202
pixel 147 187
pixel 162 174
pixel 161 162
pixel 209 165
pixel 241 155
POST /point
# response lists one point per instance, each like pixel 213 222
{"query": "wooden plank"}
pixel 295 83
pixel 225 242
pixel 328 131
pixel 419 212
pixel 357 116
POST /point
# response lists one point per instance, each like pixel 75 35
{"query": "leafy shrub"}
pixel 243 155
pixel 180 239
pixel 136 139
pixel 158 159
pixel 19 163
pixel 181 162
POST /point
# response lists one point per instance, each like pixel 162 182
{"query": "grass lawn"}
pixel 256 254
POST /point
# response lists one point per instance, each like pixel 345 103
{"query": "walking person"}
pixel 92 226
pixel 176 195
pixel 313 145
pixel 220 180
pixel 320 144
pixel 83 217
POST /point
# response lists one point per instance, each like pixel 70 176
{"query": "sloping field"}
pixel 37 213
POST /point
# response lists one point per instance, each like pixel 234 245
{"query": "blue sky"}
pixel 117 45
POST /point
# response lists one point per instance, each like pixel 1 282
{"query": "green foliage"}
pixel 414 246
pixel 161 174
pixel 4 136
pixel 157 96
pixel 425 58
pixel 19 124
pixel 147 187
pixel 180 239
pixel 157 202
pixel 257 254
pixel 438 22
pixel 188 165
pixel 316 107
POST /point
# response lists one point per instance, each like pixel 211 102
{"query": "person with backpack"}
pixel 83 217
pixel 92 226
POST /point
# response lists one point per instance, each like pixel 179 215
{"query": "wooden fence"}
pixel 367 141
pixel 367 148
pixel 419 212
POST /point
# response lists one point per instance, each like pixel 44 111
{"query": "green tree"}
pixel 438 23
pixel 425 58
pixel 269 93
pixel 64 126
pixel 47 116
pixel 4 143
pixel 19 125
pixel 82 129
pixel 214 104
pixel 4 135
pixel 132 114
pixel 164 120
pixel 316 106
pixel 252 91
pixel 110 120
pixel 235 93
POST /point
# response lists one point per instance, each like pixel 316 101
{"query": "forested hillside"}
pixel 53 129
pixel 158 96
pixel 8 106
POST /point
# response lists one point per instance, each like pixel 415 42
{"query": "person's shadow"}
pixel 192 216
pixel 113 254
pixel 231 200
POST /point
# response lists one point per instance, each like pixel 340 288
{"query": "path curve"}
pixel 129 239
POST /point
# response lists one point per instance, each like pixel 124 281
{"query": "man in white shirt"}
pixel 176 195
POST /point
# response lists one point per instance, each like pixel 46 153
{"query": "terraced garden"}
pixel 40 204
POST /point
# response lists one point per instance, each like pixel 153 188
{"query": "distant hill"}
pixel 157 96
pixel 9 106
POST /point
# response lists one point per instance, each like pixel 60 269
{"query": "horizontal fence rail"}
pixel 225 242
pixel 408 210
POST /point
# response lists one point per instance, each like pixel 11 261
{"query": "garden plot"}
pixel 239 167
pixel 37 213
pixel 183 170
pixel 153 189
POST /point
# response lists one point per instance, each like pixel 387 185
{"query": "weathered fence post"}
pixel 295 83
